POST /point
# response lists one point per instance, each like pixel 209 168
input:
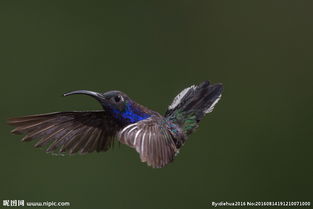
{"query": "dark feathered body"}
pixel 155 137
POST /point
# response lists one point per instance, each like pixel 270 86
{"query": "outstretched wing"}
pixel 71 132
pixel 152 140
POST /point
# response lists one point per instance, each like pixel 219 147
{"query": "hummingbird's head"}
pixel 111 100
pixel 118 104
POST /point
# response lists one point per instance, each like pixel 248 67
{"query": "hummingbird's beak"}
pixel 93 94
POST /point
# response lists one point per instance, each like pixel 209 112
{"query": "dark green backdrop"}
pixel 256 145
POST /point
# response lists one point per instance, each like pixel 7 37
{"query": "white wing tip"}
pixel 179 97
pixel 210 109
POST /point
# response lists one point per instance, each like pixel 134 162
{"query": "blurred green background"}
pixel 256 145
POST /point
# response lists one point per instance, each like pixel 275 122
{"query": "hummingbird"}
pixel 156 137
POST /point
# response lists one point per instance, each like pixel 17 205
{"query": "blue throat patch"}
pixel 130 114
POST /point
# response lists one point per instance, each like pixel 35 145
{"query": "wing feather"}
pixel 151 140
pixel 70 132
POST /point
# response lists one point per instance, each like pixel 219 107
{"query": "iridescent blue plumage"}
pixel 130 113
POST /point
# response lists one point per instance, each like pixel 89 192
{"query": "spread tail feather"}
pixel 191 105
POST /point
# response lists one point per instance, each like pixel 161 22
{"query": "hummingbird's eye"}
pixel 118 99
